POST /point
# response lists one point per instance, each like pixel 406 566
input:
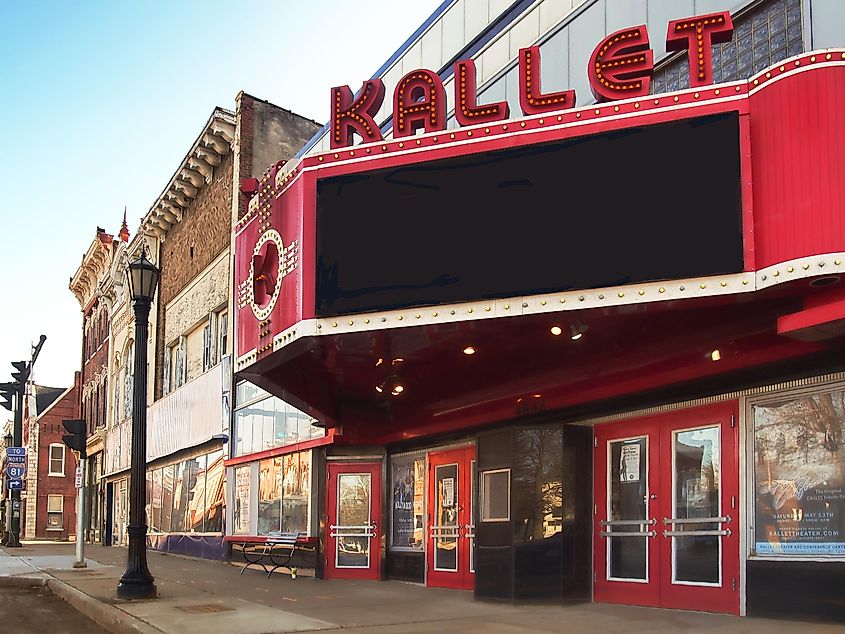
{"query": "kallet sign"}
pixel 620 67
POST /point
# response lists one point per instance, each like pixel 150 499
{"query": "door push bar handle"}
pixel 697 520
pixel 629 522
pixel 628 533
pixel 722 533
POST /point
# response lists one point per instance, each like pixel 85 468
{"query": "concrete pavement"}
pixel 203 596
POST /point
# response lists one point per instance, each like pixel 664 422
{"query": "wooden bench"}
pixel 275 551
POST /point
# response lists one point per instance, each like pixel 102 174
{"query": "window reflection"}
pixel 270 423
pixel 186 497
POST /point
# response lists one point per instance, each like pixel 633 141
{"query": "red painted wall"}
pixel 797 149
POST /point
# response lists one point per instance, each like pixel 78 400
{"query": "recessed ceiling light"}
pixel 469 350
pixel 379 389
pixel 556 330
pixel 715 355
pixel 576 336
pixel 397 389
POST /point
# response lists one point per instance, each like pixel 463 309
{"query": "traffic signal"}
pixel 75 438
pixel 22 374
pixel 7 392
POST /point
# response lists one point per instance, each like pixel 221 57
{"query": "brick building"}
pixel 88 284
pixel 49 501
pixel 187 234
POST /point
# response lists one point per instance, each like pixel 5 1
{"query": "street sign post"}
pixel 78 480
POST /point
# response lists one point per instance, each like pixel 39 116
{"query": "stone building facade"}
pixel 187 234
pixel 88 286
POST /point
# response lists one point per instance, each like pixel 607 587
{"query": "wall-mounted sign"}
pixel 620 67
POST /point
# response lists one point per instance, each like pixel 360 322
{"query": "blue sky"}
pixel 101 100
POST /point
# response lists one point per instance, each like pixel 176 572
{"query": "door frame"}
pixel 660 590
pixel 335 468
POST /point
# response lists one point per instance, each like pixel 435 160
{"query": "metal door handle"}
pixel 697 520
pixel 720 533
pixel 628 533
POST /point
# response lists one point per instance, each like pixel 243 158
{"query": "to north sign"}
pixel 16 451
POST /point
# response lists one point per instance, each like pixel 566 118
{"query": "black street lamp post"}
pixel 137 582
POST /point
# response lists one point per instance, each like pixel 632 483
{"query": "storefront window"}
pixel 214 488
pixel 240 510
pixel 166 499
pixel 155 523
pixel 266 422
pixel 270 476
pixel 284 486
pixel 408 482
pixel 195 490
pixel 799 475
pixel 297 489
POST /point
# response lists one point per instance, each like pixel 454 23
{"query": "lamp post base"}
pixel 136 589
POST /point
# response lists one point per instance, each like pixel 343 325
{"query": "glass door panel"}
pixel 353 529
pixel 696 504
pixel 628 527
pixel 445 528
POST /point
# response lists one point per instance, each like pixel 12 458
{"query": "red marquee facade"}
pixel 698 252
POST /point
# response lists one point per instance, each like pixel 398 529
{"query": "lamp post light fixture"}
pixel 7 440
pixel 137 582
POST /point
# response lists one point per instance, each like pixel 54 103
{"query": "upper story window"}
pixel 57 460
pixel 197 351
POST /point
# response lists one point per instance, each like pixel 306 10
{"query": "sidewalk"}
pixel 203 596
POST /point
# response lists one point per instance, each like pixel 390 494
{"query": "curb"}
pixel 105 615
pixel 23 582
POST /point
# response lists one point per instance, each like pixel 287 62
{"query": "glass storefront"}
pixel 799 474
pixel 284 486
pixel 183 497
pixel 265 422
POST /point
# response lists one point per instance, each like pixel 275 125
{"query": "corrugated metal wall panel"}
pixel 798 147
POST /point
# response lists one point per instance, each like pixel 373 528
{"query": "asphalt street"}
pixel 36 610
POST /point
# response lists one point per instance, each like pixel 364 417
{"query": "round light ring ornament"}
pixel 266 272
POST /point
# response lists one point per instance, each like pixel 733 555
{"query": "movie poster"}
pixel 800 475
pixel 408 478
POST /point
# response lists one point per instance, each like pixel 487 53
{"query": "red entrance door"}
pixel 451 527
pixel 666 523
pixel 353 538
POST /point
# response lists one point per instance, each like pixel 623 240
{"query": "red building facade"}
pixel 50 498
pixel 591 353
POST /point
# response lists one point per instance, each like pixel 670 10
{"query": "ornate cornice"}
pixel 85 282
pixel 195 172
